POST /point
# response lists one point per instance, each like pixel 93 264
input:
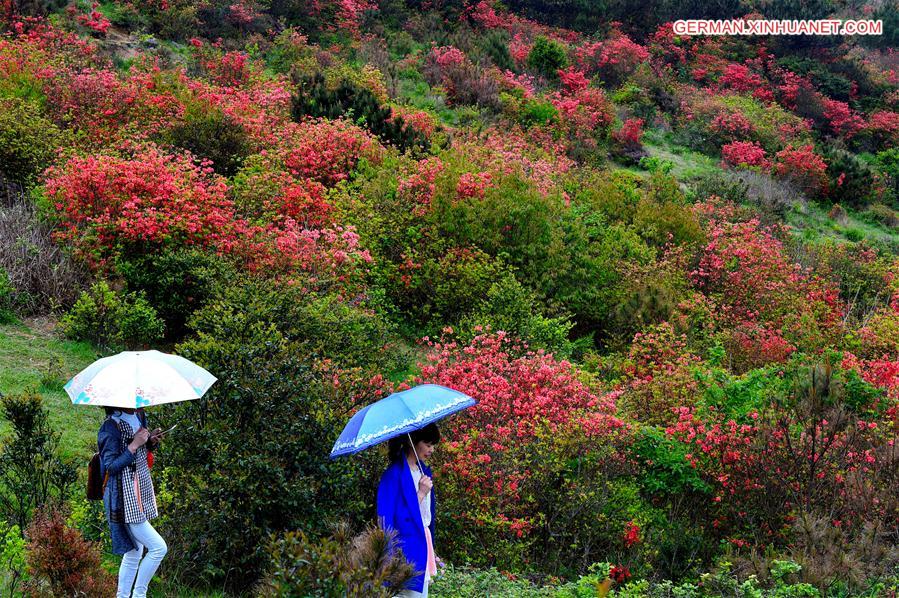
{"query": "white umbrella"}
pixel 135 379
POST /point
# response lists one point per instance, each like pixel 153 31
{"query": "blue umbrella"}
pixel 397 414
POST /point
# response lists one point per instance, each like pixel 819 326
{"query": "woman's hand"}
pixel 140 438
pixel 155 437
pixel 424 486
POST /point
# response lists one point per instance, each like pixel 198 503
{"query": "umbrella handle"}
pixel 417 460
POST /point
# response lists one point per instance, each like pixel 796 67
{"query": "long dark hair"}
pixel 399 446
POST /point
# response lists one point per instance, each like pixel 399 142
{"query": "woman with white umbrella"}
pixel 129 499
pixel 123 384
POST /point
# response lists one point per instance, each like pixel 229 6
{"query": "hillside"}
pixel 665 267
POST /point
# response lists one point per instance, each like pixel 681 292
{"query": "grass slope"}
pixel 33 358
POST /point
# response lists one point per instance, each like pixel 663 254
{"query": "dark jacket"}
pixel 113 460
pixel 398 509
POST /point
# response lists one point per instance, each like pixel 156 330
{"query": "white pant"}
pixel 143 534
pixel 414 594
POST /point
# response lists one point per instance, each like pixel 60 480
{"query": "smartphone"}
pixel 165 431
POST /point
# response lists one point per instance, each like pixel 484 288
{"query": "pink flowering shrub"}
pixel 528 404
pixel 94 20
pixel 106 204
pixel 614 59
pixel 746 270
pixel 323 150
pixel 745 153
pixel 732 126
pixel 484 15
pixel 584 118
pixel 802 454
pixel 739 78
pixel 573 80
pixel 473 185
pixel 630 135
pixel 843 121
pixel 802 166
pixel 658 375
pixel 417 190
pixel 464 83
pixel 884 126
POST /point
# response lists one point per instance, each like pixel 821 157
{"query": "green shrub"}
pixel 12 558
pixel 547 57
pixel 313 97
pixel 7 298
pixel 830 84
pixel 496 45
pixel 536 112
pixel 31 472
pixel 291 367
pixel 176 282
pixel 464 582
pixel 856 179
pixel 511 307
pixel 211 134
pixel 27 141
pixel 368 565
pixel 109 319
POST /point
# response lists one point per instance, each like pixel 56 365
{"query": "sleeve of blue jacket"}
pixel 387 497
pixel 112 461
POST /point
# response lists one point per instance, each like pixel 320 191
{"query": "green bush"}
pixel 27 141
pixel 7 298
pixel 547 57
pixel 496 45
pixel 176 282
pixel 856 186
pixel 339 566
pixel 12 558
pixel 464 582
pixel 830 84
pixel 291 367
pixel 313 97
pixel 536 112
pixel 110 319
pixel 31 472
pixel 211 134
pixel 511 307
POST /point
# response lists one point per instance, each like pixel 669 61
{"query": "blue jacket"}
pixel 113 460
pixel 398 509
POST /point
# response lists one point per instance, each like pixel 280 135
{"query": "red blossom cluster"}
pixel 323 150
pixel 739 78
pixel 801 165
pixel 631 534
pixel 613 59
pixel 230 69
pixel 521 396
pixel 421 121
pixel 745 153
pixel 151 197
pixel 418 188
pixel 573 80
pixel 843 120
pixel 630 135
pixel 94 20
pixel 732 126
pixel 242 13
pixel 473 185
pixel 746 270
pixel 884 125
pixel 484 15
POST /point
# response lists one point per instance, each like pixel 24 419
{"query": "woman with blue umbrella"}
pixel 123 385
pixel 405 502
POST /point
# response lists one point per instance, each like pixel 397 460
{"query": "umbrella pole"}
pixel 417 460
